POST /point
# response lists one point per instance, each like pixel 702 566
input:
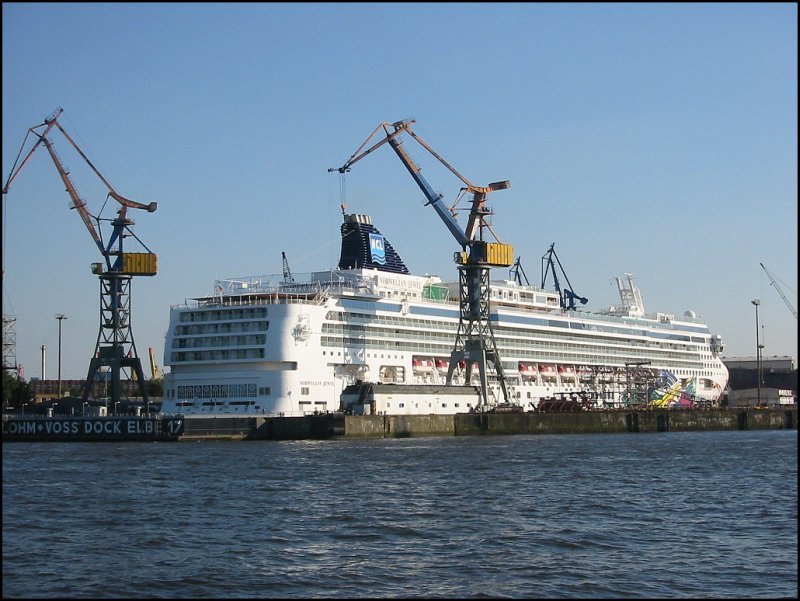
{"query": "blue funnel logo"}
pixel 377 248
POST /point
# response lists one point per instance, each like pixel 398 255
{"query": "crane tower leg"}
pixel 475 342
pixel 115 347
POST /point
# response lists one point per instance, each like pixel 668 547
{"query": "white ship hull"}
pixel 266 347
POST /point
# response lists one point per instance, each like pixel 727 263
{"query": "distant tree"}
pixel 16 392
pixel 155 387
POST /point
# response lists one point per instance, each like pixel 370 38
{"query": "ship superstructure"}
pixel 265 345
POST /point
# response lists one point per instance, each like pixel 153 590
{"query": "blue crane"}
pixel 567 296
pixel 475 340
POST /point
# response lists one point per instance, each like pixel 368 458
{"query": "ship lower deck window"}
pixel 216 391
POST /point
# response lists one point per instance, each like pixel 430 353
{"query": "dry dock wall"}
pixel 398 426
pixel 587 422
pixel 471 424
pixel 324 426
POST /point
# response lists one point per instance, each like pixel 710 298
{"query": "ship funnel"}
pixel 364 247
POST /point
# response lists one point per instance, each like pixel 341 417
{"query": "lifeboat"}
pixel 442 364
pixel 462 365
pixel 567 372
pixel 585 373
pixel 422 364
pixel 548 372
pixel 527 371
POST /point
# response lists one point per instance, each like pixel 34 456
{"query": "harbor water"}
pixel 662 515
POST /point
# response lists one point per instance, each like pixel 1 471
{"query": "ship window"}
pixel 304 390
pixel 264 391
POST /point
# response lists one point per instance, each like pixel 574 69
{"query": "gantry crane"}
pixel 566 295
pixel 778 288
pixel 115 347
pixel 475 341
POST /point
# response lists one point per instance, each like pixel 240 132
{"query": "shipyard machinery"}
pixel 115 349
pixel 566 295
pixel 288 278
pixel 475 342
pixel 517 273
pixel 774 284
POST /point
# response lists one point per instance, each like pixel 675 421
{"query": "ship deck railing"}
pixel 271 289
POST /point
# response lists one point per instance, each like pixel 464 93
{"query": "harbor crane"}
pixel 778 288
pixel 155 371
pixel 115 348
pixel 517 273
pixel 288 278
pixel 475 340
pixel 566 295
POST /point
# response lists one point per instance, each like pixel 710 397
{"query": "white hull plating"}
pixel 264 347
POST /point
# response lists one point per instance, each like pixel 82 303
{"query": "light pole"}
pixel 60 317
pixel 757 302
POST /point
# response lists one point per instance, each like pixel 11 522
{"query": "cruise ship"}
pixel 274 345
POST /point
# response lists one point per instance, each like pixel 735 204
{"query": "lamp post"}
pixel 757 302
pixel 60 317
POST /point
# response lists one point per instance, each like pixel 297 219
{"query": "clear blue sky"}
pixel 656 139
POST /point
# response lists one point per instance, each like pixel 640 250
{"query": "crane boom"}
pixel 567 295
pixel 155 372
pixel 77 202
pixel 778 288
pixel 122 262
pixel 287 273
pixel 434 199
